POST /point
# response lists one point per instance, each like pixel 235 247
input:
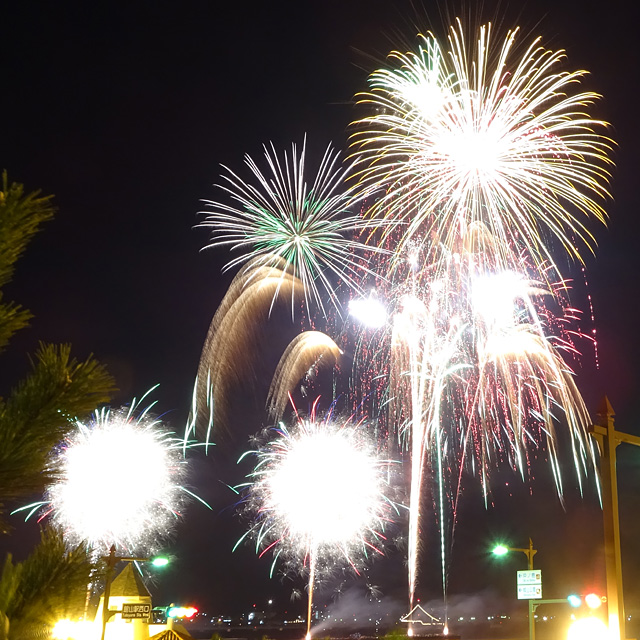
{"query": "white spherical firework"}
pixel 319 490
pixel 119 483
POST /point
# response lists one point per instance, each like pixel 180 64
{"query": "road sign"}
pixel 533 576
pixel 137 610
pixel 530 584
pixel 529 591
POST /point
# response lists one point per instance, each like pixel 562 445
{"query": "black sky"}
pixel 125 112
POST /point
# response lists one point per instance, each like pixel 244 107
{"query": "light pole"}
pixel 608 439
pixel 501 550
pixel 112 559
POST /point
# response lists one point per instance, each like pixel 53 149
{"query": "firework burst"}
pixel 476 162
pixel 120 481
pixel 318 495
pixel 475 374
pixel 282 218
pixel 477 135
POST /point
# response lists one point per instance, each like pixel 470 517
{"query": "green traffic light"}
pixel 500 550
pixel 574 600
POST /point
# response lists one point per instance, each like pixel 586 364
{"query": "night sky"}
pixel 125 113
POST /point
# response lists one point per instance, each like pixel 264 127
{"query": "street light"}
pixel 160 562
pixel 112 559
pixel 501 550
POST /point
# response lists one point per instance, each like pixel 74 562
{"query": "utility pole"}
pixel 111 561
pixel 608 439
pixel 530 552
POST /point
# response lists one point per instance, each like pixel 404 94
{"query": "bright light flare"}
pixel 370 312
pixel 324 488
pixel 494 296
pixel 593 601
pixel 76 630
pixel 182 612
pixel 590 628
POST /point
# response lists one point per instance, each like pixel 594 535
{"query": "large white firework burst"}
pixel 319 492
pixel 119 481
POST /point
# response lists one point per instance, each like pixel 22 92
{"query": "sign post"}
pixel 529 586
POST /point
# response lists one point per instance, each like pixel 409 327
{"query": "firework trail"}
pixel 232 340
pixel 120 481
pixel 306 352
pixel 318 494
pixel 484 157
pixel 281 218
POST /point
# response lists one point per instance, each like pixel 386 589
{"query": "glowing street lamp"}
pixel 160 562
pixel 501 550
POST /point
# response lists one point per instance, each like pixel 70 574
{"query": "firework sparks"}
pixel 475 373
pixel 484 157
pixel 318 494
pixel 476 162
pixel 232 337
pixel 305 353
pixel 476 135
pixel 282 218
pixel 120 482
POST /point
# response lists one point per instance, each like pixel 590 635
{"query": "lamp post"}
pixel 501 550
pixel 112 559
pixel 608 439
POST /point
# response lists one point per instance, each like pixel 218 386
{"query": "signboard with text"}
pixel 533 576
pixel 529 591
pixel 136 611
pixel 530 584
